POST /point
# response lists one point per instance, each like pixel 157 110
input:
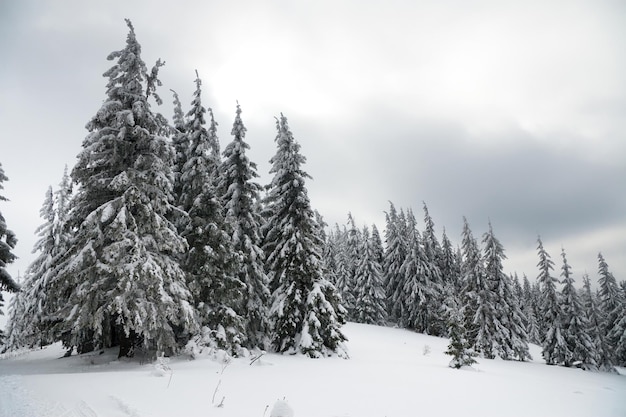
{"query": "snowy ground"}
pixel 391 372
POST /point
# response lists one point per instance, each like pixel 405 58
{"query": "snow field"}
pixel 388 374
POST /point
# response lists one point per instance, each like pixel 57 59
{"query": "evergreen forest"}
pixel 160 241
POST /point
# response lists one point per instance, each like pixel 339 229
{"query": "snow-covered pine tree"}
pixel 377 246
pixel 450 264
pixel 618 333
pixel 7 243
pixel 601 353
pixel 575 325
pixel 478 297
pixel 352 255
pixel 121 272
pixel 436 322
pixel 510 339
pixel 40 299
pixel 31 312
pixel 459 347
pixel 528 305
pixel 610 305
pixel 333 253
pixel 370 307
pixel 343 266
pixel 395 254
pixel 180 142
pixel 306 314
pixel 17 324
pixel 555 350
pixel 240 194
pixel 212 263
pixel 418 287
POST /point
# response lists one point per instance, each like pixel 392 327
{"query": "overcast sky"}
pixel 513 112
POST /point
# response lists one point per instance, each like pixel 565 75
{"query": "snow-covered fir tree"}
pixel 211 263
pixel 306 313
pixel 18 325
pixel 580 346
pixel 595 329
pixel 40 301
pixel 418 285
pixel 478 297
pixel 459 347
pixel 395 254
pixel 370 307
pixel 7 243
pixel 343 265
pixel 30 309
pixel 528 306
pixel 618 333
pixel 611 305
pixel 331 255
pixel 450 265
pixel 510 339
pixel 180 142
pixel 121 273
pixel 240 194
pixel 436 325
pixel 377 246
pixel 555 350
pixel 352 255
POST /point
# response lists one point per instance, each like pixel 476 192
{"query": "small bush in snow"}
pixel 281 409
pixel 161 366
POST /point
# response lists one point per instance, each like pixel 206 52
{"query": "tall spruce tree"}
pixel 395 254
pixel 510 338
pixel 478 297
pixel 240 195
pixel 211 263
pixel 340 260
pixel 330 255
pixel 555 350
pixel 580 347
pixel 30 309
pixel 180 142
pixel 450 264
pixel 352 247
pixel 121 272
pixel 306 314
pixel 437 325
pixel 601 352
pixel 7 243
pixel 41 300
pixel 417 288
pixel 371 307
pixel 528 305
pixel 610 305
pixel 618 332
pixel 377 246
pixel 18 326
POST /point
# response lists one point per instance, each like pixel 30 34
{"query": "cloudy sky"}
pixel 509 112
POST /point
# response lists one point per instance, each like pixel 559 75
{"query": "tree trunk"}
pixel 127 344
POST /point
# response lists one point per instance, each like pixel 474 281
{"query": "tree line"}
pixel 157 239
pixel 421 283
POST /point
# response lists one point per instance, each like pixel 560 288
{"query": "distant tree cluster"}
pixel 157 238
pixel 417 282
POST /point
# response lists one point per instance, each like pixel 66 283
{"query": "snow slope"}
pixel 390 373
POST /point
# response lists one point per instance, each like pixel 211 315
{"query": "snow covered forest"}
pixel 159 242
